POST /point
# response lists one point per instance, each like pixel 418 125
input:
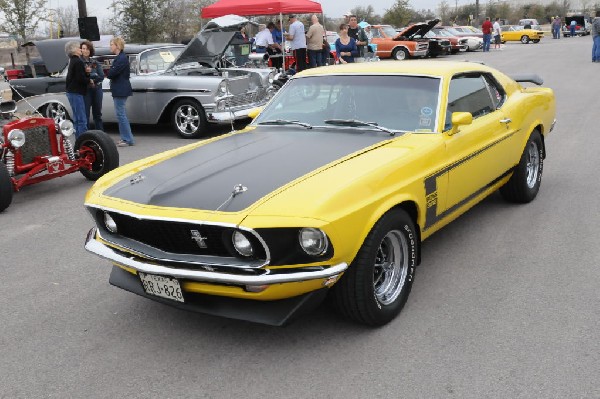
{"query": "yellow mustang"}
pixel 330 190
pixel 517 33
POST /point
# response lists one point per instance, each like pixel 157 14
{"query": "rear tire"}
pixel 188 119
pixel 376 286
pixel 104 150
pixel 525 182
pixel 6 188
pixel 524 39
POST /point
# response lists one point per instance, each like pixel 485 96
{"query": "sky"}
pixel 332 8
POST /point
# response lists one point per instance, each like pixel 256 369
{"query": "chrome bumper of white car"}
pixel 152 266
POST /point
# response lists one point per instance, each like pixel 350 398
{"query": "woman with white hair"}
pixel 77 82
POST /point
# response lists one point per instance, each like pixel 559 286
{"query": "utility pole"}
pixel 82 8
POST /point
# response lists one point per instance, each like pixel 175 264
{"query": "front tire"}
pixel 524 39
pixel 376 286
pixel 6 188
pixel 102 152
pixel 188 119
pixel 525 182
pixel 400 54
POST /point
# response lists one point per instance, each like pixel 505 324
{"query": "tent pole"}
pixel 282 40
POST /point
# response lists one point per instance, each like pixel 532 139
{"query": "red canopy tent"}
pixel 260 7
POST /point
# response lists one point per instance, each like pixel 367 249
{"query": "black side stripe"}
pixel 431 197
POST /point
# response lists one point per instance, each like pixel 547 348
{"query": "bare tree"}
pixel 444 12
pixel 67 16
pixel 22 18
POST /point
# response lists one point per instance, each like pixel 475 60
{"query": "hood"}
pixel 259 162
pixel 207 47
pixel 229 22
pixel 52 52
pixel 419 29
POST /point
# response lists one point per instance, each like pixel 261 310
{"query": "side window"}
pixel 497 94
pixel 468 93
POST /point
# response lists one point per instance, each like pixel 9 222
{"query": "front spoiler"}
pixel 275 313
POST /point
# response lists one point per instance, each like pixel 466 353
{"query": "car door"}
pixel 481 153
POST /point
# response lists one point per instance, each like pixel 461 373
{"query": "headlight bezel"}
pixel 109 223
pixel 238 238
pixel 313 241
pixel 66 128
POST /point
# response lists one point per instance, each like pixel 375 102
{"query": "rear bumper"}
pixel 275 313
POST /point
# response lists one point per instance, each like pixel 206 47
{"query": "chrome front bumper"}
pixel 228 116
pixel 420 53
pixel 148 266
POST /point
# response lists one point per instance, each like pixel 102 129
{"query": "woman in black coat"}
pixel 77 82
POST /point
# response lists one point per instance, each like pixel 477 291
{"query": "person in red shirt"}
pixel 486 28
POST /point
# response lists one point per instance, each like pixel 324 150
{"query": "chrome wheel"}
pixel 187 119
pixel 57 112
pixel 391 267
pixel 524 39
pixel 533 163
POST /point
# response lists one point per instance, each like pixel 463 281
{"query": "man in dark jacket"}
pixel 120 87
pixel 77 82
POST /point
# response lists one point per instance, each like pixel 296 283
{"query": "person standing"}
pixel 572 26
pixel 265 44
pixel 315 37
pixel 241 47
pixel 77 81
pixel 497 33
pixel 556 25
pixel 345 46
pixel 298 42
pixel 93 96
pixel 487 28
pixel 358 34
pixel 596 38
pixel 120 87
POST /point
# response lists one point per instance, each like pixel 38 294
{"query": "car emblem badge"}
pixel 136 179
pixel 196 236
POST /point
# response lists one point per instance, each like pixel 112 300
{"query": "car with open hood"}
pixel 329 191
pixel 391 45
pixel 190 88
pixel 421 32
pixel 583 26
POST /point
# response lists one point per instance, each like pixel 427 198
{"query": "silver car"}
pixel 187 88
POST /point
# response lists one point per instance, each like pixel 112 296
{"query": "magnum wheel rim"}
pixel 187 119
pixel 533 164
pixel 391 267
pixel 56 112
pixel 400 55
pixel 98 164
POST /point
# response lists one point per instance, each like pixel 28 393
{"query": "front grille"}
pixel 37 143
pixel 422 46
pixel 178 237
pixel 247 98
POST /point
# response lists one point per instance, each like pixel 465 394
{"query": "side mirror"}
pixel 460 119
pixel 254 112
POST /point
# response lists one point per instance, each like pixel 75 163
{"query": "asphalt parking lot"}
pixel 505 303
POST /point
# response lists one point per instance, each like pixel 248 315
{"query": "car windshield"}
pixel 157 60
pixel 396 102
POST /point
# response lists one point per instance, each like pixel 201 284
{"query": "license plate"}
pixel 55 167
pixel 165 287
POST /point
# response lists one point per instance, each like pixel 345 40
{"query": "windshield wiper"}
pixel 357 123
pixel 285 122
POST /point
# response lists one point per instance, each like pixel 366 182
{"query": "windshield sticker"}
pixel 167 56
pixel 424 121
pixel 426 111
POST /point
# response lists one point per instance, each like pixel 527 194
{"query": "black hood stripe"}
pixel 262 160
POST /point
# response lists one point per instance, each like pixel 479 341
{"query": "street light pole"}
pixel 82 8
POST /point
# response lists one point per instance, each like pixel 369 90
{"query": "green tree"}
pixel 139 21
pixel 398 14
pixel 22 18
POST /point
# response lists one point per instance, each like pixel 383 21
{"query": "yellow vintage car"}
pixel 329 191
pixel 517 33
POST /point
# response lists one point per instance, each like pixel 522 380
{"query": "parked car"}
pixel 582 28
pixel 194 91
pixel 457 44
pixel 391 45
pixel 518 33
pixel 474 40
pixel 330 190
pixel 530 23
pixel 56 83
pixel 421 32
pixel 36 149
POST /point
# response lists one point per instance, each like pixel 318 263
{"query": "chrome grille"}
pixel 422 46
pixel 246 98
pixel 37 142
pixel 239 85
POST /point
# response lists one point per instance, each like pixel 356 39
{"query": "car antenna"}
pixel 22 97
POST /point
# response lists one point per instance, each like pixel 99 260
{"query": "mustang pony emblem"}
pixel 196 236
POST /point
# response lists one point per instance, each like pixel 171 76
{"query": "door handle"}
pixel 506 120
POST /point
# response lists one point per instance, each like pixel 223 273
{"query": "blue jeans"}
pixel 556 32
pixel 77 104
pixel 572 28
pixel 596 49
pixel 93 99
pixel 315 58
pixel 124 127
pixel 487 38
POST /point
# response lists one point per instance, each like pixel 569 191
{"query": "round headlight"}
pixel 313 241
pixel 272 76
pixel 242 244
pixel 110 223
pixel 66 128
pixel 16 138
